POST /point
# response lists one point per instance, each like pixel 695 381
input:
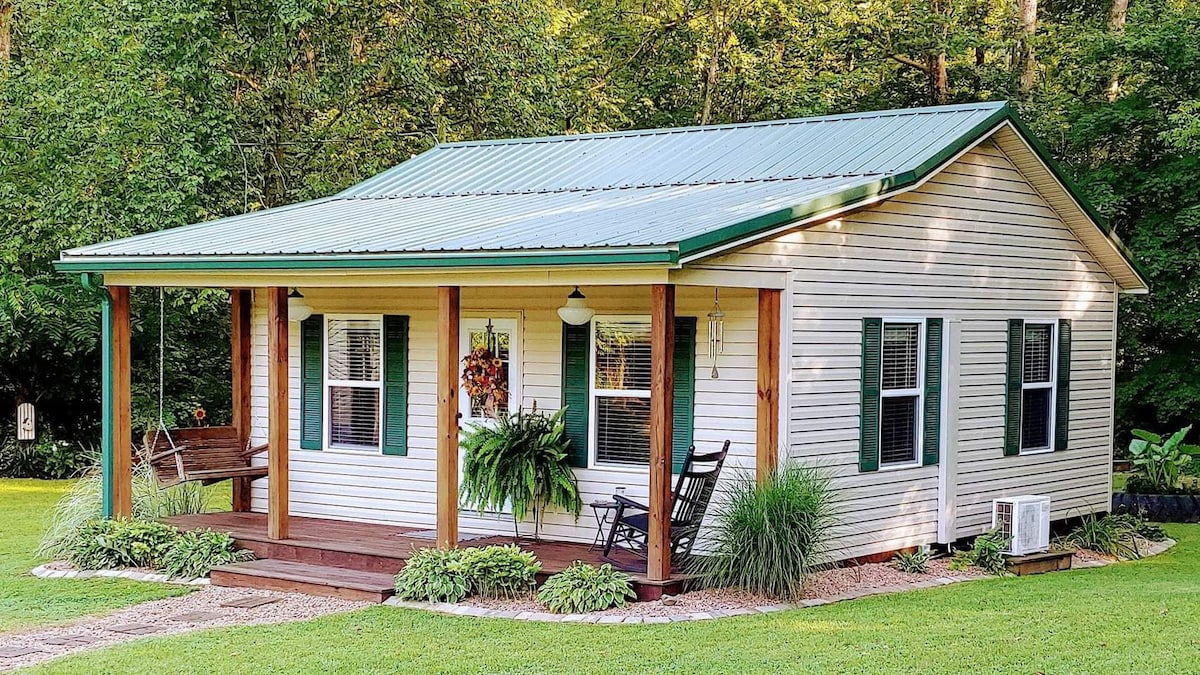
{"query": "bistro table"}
pixel 603 510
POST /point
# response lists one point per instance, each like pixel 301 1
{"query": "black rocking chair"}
pixel 631 524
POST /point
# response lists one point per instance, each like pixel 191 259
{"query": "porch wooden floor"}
pixel 384 548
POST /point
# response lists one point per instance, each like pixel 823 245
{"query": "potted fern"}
pixel 519 462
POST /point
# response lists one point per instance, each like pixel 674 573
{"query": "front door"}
pixel 500 337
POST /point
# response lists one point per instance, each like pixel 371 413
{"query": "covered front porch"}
pixel 370 503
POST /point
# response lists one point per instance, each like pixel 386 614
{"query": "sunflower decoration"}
pixel 200 416
pixel 485 381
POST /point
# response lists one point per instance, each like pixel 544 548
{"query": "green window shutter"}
pixel 931 435
pixel 395 385
pixel 1062 404
pixel 576 351
pixel 683 416
pixel 868 432
pixel 312 372
pixel 1012 382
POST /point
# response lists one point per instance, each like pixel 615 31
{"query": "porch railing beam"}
pixel 662 403
pixel 277 413
pixel 240 331
pixel 449 313
pixel 767 426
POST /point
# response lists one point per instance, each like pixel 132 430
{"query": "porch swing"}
pixel 205 454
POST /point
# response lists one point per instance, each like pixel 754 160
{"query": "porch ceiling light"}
pixel 576 312
pixel 298 309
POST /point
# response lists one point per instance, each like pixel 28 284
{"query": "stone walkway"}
pixel 208 607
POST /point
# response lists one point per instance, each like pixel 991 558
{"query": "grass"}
pixel 1138 615
pixel 25 601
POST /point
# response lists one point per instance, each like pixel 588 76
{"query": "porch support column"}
pixel 662 403
pixel 116 437
pixel 767 428
pixel 277 413
pixel 447 417
pixel 240 305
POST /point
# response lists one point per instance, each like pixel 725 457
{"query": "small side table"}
pixel 603 509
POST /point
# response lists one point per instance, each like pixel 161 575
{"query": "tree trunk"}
pixel 710 79
pixel 939 80
pixel 1117 16
pixel 1026 64
pixel 6 16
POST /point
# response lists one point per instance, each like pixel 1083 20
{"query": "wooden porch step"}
pixel 297 577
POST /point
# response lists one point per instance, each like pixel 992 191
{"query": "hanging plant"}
pixel 485 381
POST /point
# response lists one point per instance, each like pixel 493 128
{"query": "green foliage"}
pixel 106 544
pixel 1140 526
pixel 1157 464
pixel 46 458
pixel 768 536
pixel 986 553
pixel 520 461
pixel 500 571
pixel 192 554
pixel 434 575
pixel 1109 535
pixel 83 504
pixel 913 562
pixel 584 588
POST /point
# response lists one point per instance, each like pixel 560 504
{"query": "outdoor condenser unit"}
pixel 1024 521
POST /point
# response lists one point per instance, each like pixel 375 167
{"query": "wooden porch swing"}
pixel 205 454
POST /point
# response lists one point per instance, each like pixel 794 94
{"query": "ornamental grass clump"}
pixel 583 588
pixel 768 536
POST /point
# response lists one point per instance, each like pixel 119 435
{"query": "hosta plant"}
pixel 583 588
pixel 107 544
pixel 435 575
pixel 913 562
pixel 193 554
pixel 500 571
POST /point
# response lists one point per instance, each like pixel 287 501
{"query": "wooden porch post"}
pixel 117 418
pixel 662 403
pixel 447 417
pixel 767 428
pixel 277 413
pixel 240 306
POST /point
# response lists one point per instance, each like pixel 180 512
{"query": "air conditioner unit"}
pixel 1024 521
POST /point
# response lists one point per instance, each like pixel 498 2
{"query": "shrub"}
pixel 1141 527
pixel 500 571
pixel 520 463
pixel 150 502
pixel 105 544
pixel 768 536
pixel 583 588
pixel 1113 535
pixel 986 553
pixel 435 575
pixel 914 562
pixel 45 458
pixel 193 554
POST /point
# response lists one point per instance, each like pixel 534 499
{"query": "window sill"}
pixel 898 467
pixel 1035 451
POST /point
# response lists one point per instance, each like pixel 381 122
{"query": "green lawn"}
pixel 25 506
pixel 1139 616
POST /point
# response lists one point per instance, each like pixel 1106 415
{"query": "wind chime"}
pixel 716 333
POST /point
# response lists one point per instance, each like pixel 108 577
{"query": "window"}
pixel 1037 387
pixel 621 390
pixel 900 393
pixel 353 381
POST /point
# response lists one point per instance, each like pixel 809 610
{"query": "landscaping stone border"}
pixel 44 572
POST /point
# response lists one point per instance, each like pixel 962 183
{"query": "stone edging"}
pixel 458 609
pixel 43 572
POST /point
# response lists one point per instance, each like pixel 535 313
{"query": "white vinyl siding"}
pixel 978 245
pixel 372 487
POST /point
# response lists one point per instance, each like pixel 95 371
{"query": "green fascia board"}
pixel 655 256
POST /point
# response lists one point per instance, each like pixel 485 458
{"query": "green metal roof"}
pixel 640 197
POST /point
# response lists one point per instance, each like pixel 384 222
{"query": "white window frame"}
pixel 919 392
pixel 328 383
pixel 594 393
pixel 1052 385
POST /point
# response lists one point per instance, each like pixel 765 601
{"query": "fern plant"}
pixel 583 588
pixel 520 462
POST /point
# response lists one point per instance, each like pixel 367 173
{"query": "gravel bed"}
pixel 166 617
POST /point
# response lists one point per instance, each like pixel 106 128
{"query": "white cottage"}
pixel 915 300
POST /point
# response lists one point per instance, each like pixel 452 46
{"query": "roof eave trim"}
pixel 657 256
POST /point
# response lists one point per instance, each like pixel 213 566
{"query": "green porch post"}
pixel 107 412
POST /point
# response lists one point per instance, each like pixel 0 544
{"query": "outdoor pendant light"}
pixel 716 333
pixel 298 309
pixel 576 312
